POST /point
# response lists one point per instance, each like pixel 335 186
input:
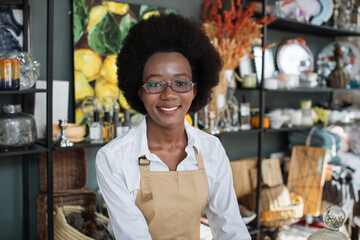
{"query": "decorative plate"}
pixel 293 57
pixel 327 8
pixel 351 57
pixel 311 7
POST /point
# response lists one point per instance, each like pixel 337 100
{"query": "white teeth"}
pixel 169 109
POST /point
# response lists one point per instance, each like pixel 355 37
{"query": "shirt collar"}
pixel 141 144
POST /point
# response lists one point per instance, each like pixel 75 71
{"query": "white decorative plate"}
pixel 294 57
pixel 311 7
pixel 327 8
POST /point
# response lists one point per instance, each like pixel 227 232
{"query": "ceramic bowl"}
pixel 276 121
pixel 74 132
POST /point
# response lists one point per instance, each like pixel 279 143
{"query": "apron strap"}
pixel 146 194
pixel 199 159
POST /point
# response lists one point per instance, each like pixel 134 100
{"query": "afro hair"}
pixel 167 33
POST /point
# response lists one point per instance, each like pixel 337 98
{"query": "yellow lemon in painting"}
pixel 123 103
pixel 82 87
pixel 117 8
pixel 95 16
pixel 104 88
pixel 88 62
pixel 79 115
pixel 189 119
pixel 108 69
pixel 149 14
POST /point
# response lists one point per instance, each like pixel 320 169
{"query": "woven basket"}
pixel 80 197
pixel 286 215
pixel 64 231
pixel 69 170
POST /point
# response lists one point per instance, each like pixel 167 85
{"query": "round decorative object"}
pixel 29 69
pixel 327 8
pixel 351 58
pixel 17 129
pixel 294 57
pixel 334 218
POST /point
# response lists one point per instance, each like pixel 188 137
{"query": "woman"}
pixel 159 177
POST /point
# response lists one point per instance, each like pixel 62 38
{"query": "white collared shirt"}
pixel 118 176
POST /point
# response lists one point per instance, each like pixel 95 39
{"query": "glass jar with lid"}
pixel 334 218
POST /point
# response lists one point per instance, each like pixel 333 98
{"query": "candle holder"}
pixel 63 141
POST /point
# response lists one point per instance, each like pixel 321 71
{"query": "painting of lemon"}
pixel 82 87
pixel 88 62
pixel 99 27
pixel 117 8
pixel 95 16
pixel 79 115
pixel 123 103
pixel 108 69
pixel 104 88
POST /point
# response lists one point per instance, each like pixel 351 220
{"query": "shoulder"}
pixel 117 152
pixel 206 141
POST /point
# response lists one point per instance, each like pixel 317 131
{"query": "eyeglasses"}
pixel 177 86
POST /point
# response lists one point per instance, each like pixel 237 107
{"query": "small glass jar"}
pixel 249 81
pixel 17 129
pixel 29 69
pixel 334 218
pixel 9 74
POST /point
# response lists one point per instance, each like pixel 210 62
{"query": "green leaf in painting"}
pixel 80 18
pixel 146 8
pixel 125 24
pixel 105 37
pixel 171 11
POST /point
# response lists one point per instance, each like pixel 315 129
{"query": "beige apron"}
pixel 173 201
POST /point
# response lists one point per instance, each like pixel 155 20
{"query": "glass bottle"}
pixel 231 110
pixel 108 128
pixel 245 114
pixel 96 135
pixel 110 105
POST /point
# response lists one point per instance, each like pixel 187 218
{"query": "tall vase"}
pixel 339 77
pixel 232 105
pixel 222 110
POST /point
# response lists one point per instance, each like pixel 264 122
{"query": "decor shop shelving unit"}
pixel 286 26
pixel 26 97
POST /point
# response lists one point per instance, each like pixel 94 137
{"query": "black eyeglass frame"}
pixel 171 85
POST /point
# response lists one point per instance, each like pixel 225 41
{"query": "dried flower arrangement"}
pixel 233 32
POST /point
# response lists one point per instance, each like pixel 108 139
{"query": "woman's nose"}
pixel 169 93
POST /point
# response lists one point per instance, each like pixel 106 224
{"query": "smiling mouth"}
pixel 168 109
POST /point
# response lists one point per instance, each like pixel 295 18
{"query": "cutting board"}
pixel 307 176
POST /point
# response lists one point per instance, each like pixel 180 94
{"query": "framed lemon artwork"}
pixel 99 27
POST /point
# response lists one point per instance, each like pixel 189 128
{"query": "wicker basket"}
pixel 80 197
pixel 64 231
pixel 69 170
pixel 284 215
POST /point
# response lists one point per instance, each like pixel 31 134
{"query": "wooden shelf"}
pixel 287 129
pixel 80 145
pixel 253 130
pixel 36 148
pixel 302 90
pixel 299 27
pixel 26 91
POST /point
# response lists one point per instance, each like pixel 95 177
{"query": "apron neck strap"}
pixel 145 180
pixel 199 159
